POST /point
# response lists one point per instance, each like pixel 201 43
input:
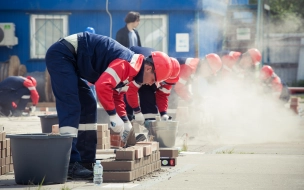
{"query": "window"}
pixel 153 32
pixel 45 30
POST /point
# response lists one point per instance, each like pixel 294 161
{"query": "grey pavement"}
pixel 264 165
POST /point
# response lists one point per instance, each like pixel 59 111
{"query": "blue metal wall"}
pixel 202 19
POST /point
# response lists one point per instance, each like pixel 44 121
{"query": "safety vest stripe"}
pixel 68 129
pixel 88 127
pixel 164 90
pixel 134 59
pixel 135 84
pixel 113 73
pixel 25 97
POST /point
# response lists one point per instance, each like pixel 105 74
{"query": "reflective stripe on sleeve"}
pixel 164 90
pixel 134 59
pixel 113 73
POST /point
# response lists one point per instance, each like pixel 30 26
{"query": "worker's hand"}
pixel 117 125
pixel 33 109
pixel 125 133
pixel 139 118
pixel 165 117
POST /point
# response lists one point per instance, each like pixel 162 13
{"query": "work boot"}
pixel 77 171
pixel 88 165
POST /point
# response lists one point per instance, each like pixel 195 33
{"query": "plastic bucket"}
pixel 164 132
pixel 40 158
pixel 47 121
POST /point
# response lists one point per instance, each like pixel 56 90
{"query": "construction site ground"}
pixel 202 164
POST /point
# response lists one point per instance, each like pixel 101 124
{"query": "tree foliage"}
pixel 281 8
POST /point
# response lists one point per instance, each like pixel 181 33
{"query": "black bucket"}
pixel 47 121
pixel 40 158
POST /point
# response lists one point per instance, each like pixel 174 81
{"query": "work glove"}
pixel 33 109
pixel 125 133
pixel 139 118
pixel 165 117
pixel 117 125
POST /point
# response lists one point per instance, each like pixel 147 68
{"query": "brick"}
pixel 1 136
pixel 3 170
pixel 2 153
pixel 138 151
pixel 115 137
pixel 8 143
pixel 147 150
pixel 3 144
pixel 55 128
pixel 168 152
pixel 100 146
pixel 2 162
pixel 102 127
pixel 159 164
pixel 107 133
pixel 7 160
pixel 101 134
pixel 124 154
pixel 118 176
pixel 114 165
pixel 102 140
pixel 8 151
pixel 144 170
pixel 149 168
pixel 44 108
pixel 11 168
pixel 154 144
pixel 107 146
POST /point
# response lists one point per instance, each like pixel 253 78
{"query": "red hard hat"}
pixel 162 64
pixel 266 72
pixel 214 62
pixel 175 71
pixel 255 55
pixel 33 80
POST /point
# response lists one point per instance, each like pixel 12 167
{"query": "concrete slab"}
pixel 275 165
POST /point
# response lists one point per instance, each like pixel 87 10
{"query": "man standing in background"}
pixel 128 36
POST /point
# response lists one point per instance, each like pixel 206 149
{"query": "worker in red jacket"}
pixel 111 67
pixel 239 64
pixel 273 84
pixel 148 101
pixel 15 93
pixel 194 70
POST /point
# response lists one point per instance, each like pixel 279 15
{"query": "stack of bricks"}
pixel 103 136
pixel 115 140
pixel 6 159
pixel 168 156
pixel 132 163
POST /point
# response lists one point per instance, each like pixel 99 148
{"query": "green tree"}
pixel 286 15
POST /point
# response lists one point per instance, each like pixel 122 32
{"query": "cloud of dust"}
pixel 238 112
